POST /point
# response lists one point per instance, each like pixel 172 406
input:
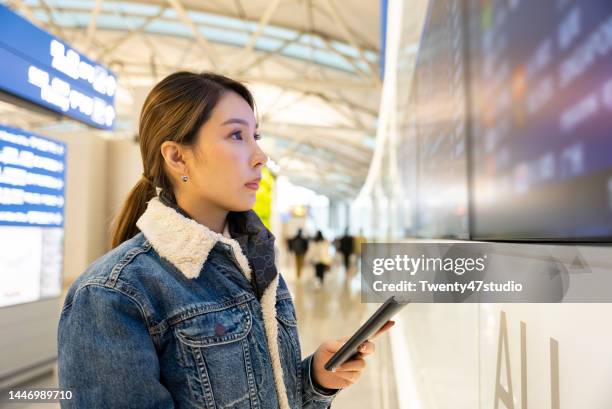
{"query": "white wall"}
pixel 449 354
pixel 124 169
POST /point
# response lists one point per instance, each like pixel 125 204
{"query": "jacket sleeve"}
pixel 314 397
pixel 106 355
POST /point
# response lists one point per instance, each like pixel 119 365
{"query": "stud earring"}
pixel 185 178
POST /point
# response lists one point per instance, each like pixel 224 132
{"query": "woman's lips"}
pixel 252 185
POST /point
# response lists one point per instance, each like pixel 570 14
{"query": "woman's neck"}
pixel 205 213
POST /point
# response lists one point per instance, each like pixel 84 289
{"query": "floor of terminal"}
pixel 331 311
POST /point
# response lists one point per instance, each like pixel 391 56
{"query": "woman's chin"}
pixel 244 205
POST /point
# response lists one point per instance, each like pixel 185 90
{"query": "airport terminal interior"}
pixel 389 125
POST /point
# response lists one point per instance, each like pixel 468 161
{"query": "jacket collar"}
pixel 182 241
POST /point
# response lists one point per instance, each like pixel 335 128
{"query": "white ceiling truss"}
pixel 312 65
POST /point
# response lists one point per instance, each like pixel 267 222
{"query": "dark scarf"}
pixel 256 242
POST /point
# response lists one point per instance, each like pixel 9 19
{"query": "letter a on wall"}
pixel 500 393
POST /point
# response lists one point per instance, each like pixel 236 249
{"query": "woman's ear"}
pixel 174 157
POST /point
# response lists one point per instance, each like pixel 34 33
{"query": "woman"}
pixel 319 256
pixel 188 309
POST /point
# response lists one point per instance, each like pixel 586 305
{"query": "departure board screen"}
pixel 442 209
pixel 541 82
pixel 32 186
pixel 41 68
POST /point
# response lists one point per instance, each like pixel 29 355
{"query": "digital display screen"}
pixel 541 111
pixel 440 110
pixel 406 160
pixel 32 185
pixel 44 70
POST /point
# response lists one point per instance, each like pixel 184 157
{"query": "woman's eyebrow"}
pixel 238 121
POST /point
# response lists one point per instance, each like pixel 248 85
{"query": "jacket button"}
pixel 219 329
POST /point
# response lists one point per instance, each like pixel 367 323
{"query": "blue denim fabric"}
pixel 135 332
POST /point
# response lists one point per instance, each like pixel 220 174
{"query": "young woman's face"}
pixel 225 169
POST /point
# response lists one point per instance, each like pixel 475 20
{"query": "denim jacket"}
pixel 170 319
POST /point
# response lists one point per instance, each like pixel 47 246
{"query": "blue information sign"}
pixel 32 179
pixel 43 69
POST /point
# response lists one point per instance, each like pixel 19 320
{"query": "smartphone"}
pixel 371 326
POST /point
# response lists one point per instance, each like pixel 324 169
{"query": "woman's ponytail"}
pixel 124 225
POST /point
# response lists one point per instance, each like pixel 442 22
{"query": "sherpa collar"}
pixel 182 241
pixel 186 244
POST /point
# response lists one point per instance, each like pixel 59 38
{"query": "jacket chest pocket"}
pixel 215 352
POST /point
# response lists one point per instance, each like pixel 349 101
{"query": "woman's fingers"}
pixel 349 378
pixel 332 347
pixel 345 379
pixel 349 372
pixel 367 348
pixel 383 329
pixel 353 365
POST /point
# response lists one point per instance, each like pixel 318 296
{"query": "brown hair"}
pixel 175 110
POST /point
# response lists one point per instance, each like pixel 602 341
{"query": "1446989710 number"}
pixel 43 394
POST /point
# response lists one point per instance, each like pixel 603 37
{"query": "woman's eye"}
pixel 237 136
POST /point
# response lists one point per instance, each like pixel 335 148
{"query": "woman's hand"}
pixel 347 373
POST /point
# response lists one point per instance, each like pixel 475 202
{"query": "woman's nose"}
pixel 259 157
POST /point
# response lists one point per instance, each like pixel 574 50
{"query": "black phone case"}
pixel 369 328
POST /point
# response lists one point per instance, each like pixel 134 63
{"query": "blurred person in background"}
pixel 357 243
pixel 320 256
pixel 299 245
pixel 347 249
pixel 189 297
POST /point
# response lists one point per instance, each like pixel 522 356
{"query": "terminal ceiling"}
pixel 313 66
